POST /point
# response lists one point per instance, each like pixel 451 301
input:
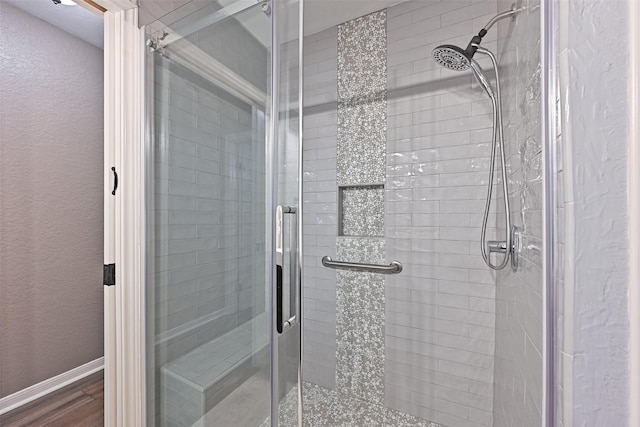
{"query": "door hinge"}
pixel 109 275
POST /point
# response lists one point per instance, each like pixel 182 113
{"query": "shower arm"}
pixel 509 13
pixel 477 39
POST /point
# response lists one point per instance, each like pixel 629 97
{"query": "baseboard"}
pixel 45 387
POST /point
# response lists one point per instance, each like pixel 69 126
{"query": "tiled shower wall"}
pixel 518 370
pixel 209 237
pixel 320 206
pixel 440 312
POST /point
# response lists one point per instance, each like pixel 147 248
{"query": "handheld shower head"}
pixel 452 57
pixel 457 59
pixel 481 77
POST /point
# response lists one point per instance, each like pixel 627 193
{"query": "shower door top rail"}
pixel 394 268
pixel 187 25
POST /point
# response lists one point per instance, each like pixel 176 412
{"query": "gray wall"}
pixel 51 216
pixel 594 190
pixel 518 369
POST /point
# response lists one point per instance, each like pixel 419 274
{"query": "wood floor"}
pixel 80 404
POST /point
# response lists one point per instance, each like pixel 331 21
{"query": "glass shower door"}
pixel 223 271
pixel 287 132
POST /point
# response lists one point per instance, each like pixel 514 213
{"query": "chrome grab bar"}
pixel 394 268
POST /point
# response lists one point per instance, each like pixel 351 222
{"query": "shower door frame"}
pixel 549 132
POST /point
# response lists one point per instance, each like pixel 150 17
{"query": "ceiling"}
pixel 75 20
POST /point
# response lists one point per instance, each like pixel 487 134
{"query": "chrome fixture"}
pixel 265 5
pixel 458 59
pixel 500 247
pixel 294 276
pixel 153 42
pixel 394 268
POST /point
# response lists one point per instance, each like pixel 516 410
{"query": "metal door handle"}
pixel 281 324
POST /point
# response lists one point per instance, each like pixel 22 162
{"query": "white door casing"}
pixel 124 232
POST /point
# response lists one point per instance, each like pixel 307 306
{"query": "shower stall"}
pixel 340 231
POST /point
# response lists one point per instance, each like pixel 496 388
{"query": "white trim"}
pixel 129 222
pixel 565 400
pixel 634 213
pixel 45 387
pixel 125 391
pixel 110 401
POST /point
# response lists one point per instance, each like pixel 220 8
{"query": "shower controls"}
pixel 515 247
pixel 500 247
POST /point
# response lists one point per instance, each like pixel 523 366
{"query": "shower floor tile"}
pixel 327 408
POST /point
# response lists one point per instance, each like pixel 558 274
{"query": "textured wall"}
pixel 51 127
pixel 519 339
pixel 594 136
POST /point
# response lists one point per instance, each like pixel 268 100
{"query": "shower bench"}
pixel 194 383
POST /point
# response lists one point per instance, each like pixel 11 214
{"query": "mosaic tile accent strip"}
pixel 362 211
pixel 360 322
pixel 361 165
pixel 362 100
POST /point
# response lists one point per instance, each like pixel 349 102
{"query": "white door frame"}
pixel 124 321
